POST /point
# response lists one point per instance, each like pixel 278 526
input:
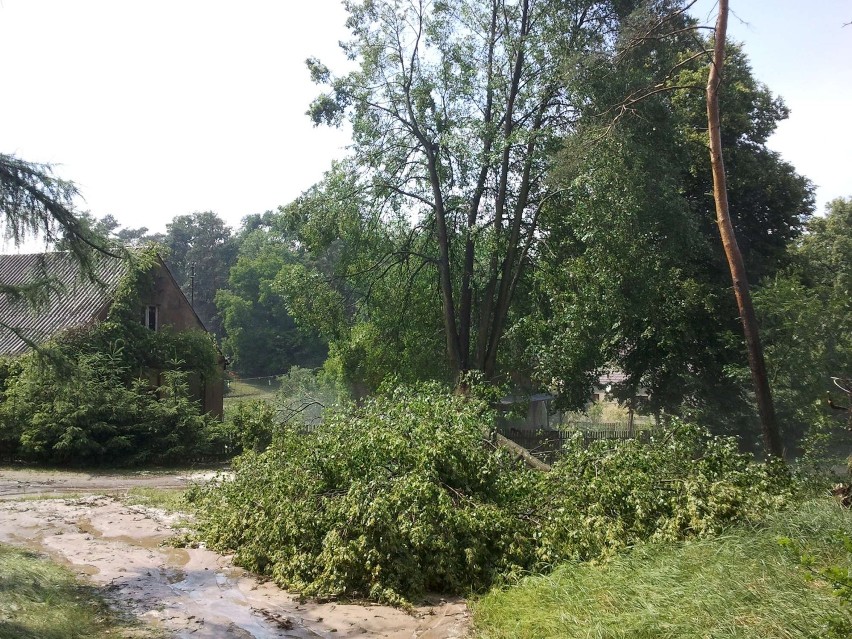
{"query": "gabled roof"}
pixel 613 377
pixel 77 302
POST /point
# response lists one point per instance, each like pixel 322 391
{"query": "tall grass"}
pixel 41 600
pixel 743 585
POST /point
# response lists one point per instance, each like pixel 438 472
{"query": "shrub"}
pixel 94 415
pixel 684 483
pixel 387 501
pixel 253 423
pixel 407 494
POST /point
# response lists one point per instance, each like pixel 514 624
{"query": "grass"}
pixel 253 389
pixel 41 600
pixel 169 499
pixel 242 391
pixel 742 585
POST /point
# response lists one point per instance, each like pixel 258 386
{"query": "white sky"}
pixel 802 52
pixel 165 107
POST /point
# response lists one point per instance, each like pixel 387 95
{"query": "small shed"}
pixel 527 413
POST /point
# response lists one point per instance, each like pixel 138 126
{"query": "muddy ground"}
pixel 181 592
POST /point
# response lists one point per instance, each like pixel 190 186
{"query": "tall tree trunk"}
pixel 769 425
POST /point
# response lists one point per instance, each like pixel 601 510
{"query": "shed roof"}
pixel 76 300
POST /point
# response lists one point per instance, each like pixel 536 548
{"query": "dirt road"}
pixel 186 593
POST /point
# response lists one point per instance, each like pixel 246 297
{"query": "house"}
pixel 76 302
pixel 603 394
pixel 536 412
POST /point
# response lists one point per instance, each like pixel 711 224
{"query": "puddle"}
pixel 36 544
pixel 194 593
pixel 87 569
pixel 173 556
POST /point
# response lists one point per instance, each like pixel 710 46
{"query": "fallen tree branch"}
pixel 519 452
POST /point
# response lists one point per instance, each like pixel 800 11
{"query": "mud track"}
pixel 182 592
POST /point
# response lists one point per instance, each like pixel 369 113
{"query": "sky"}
pixel 165 107
pixel 802 52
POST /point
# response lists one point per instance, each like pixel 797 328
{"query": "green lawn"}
pixel 41 600
pixel 169 499
pixel 264 388
pixel 743 585
pixel 242 391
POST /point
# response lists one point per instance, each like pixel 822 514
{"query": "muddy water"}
pixel 195 593
pixel 17 482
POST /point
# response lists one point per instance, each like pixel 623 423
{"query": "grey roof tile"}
pixel 77 302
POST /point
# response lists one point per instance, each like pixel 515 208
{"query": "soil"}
pixel 182 592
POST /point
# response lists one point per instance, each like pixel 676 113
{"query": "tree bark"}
pixel 769 425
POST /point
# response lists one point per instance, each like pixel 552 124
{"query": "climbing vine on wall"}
pixel 114 392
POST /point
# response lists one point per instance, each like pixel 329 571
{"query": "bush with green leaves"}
pixel 401 496
pixel 253 423
pixel 87 397
pixel 408 494
pixel 684 483
pixel 93 414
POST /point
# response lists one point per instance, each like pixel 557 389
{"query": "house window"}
pixel 149 317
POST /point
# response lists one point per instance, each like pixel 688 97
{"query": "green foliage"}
pixel 42 600
pixel 34 203
pixel 254 424
pixel 365 284
pixel 407 494
pixel 456 109
pixel 201 239
pixel 262 336
pixel 741 584
pixel 601 499
pixel 109 227
pixel 86 412
pixel 835 572
pixel 634 277
pixel 388 501
pixel 806 324
pixel 115 392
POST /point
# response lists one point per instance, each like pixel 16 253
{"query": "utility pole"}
pixel 192 285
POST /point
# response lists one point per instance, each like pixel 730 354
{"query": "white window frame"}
pixel 152 317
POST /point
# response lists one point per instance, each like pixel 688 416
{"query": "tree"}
pixel 769 425
pixel 805 315
pixel 455 109
pixel 365 285
pixel 631 275
pixel 109 227
pixel 34 203
pixel 261 336
pixel 202 244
